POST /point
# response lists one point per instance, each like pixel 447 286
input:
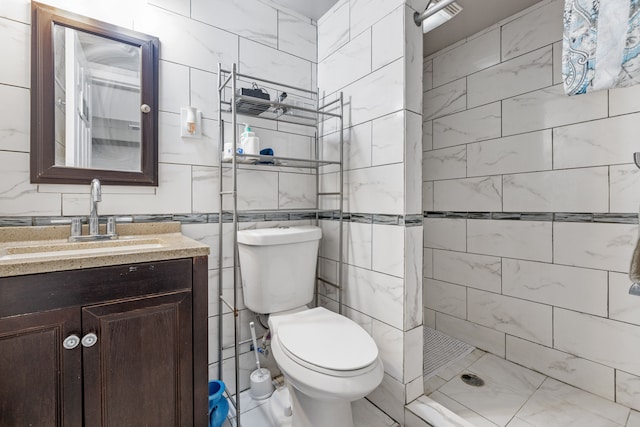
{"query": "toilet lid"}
pixel 328 340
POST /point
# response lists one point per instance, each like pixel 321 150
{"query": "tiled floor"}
pixel 514 396
pixel 255 413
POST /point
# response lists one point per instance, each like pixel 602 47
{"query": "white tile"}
pixel 585 374
pixel 256 189
pixel 18 197
pixel 329 244
pixel 602 246
pixel 428 265
pixel 173 92
pixel 177 32
pixel 413 267
pixel 425 412
pixel 634 419
pixel 557 404
pixel 445 297
pixel 365 414
pixel 445 99
pixel 472 333
pixel 519 75
pixel 14 119
pixel 605 341
pixel 460 410
pixel 550 107
pixel 346 65
pixel 387 143
pixel 427 135
pixel 16 38
pixel 507 387
pixel 429 318
pixel 413 56
pixel 427 196
pixel 377 295
pixel 333 31
pixel 592 143
pixel 413 390
pixel 378 189
pixel 427 70
pixel 183 7
pixel 17 10
pixel 474 55
pixel 623 182
pixel 387 249
pixel 389 341
pixel 389 397
pixel 472 125
pixel 529 240
pixel 476 271
pixel 203 180
pixel 622 305
pixel 235 16
pixel 202 97
pixel 540 27
pixel 527 152
pixel 387 39
pixel 628 390
pixel 365 13
pixel 557 63
pixel 445 233
pixel 449 372
pixel 513 316
pixel 191 151
pixel 445 163
pixel 296 191
pixel 575 190
pixel 357 146
pixel 297 36
pixel 469 194
pixel 271 64
pixel 358 245
pixel 556 285
pixel 413 354
pixel 413 164
pixel 624 100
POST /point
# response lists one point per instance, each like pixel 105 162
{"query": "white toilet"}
pixel 328 361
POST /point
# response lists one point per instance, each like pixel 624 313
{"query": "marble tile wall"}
pixel 371 52
pixel 194 36
pixel 532 201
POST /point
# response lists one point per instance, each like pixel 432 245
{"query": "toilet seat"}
pixel 326 342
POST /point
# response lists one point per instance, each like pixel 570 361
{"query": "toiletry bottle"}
pixel 249 142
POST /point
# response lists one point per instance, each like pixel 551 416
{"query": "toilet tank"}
pixel 278 267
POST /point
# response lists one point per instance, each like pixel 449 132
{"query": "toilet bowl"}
pixel 328 361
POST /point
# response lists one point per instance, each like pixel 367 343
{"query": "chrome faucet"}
pixel 96 196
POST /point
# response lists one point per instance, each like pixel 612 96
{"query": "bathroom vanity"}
pixel 103 333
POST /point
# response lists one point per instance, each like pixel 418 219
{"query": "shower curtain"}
pixel 601 45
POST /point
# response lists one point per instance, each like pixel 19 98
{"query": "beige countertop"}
pixel 31 250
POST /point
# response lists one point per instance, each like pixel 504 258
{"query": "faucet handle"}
pixel 111 226
pixel 76 226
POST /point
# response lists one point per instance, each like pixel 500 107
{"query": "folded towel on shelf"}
pixel 600 45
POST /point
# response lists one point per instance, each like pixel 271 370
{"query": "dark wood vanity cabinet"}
pixel 145 365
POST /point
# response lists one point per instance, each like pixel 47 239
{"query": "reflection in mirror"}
pixel 97 114
pixel 94 101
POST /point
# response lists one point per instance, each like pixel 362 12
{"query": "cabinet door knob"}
pixel 71 342
pixel 89 340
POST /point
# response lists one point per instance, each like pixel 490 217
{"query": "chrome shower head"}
pixel 635 289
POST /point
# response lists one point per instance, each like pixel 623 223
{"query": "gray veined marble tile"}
pixel 333 31
pixel 628 389
pixel 472 333
pixel 476 271
pixel 622 305
pixel 347 64
pixel 530 240
pixel 623 186
pixel 445 163
pixel 15 36
pixel 443 233
pixel 369 12
pixel 469 194
pixel 388 38
pixel 14 118
pixel 445 297
pixel 446 99
pixel 427 72
pixel 472 125
pixel 297 36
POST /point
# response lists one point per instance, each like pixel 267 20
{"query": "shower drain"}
pixel 472 380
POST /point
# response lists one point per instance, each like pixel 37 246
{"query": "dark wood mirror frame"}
pixel 43 168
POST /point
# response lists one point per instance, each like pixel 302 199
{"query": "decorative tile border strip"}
pixel 616 218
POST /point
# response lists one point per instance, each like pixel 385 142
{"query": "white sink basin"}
pixel 69 249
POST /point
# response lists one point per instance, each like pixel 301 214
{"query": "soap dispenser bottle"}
pixel 249 142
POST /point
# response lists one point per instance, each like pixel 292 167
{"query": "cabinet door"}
pixel 140 371
pixel 39 379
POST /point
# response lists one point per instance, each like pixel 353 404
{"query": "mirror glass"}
pixel 97 101
pixel 94 101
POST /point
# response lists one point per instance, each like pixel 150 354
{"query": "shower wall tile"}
pixel 174 87
pixel 389 396
pixel 358 244
pixel 387 249
pixel 388 139
pixel 519 75
pixel 445 298
pixel 600 142
pixel 378 189
pixel 623 188
pixel 16 10
pixel 513 316
pixel 444 233
pixel 445 163
pixel 601 246
pixel 590 376
pixel 357 151
pixel 427 135
pixel 605 341
pixel 413 353
pixel 624 100
pixel 413 165
pixel 202 97
pixel 297 36
pixel 333 30
pixel 527 240
pixel 14 119
pixel 387 39
pixel 475 271
pixel 533 30
pixel 527 152
pixel 296 191
pixel 622 306
pixel 413 292
pixel 445 99
pixel 557 191
pixel 556 285
pixel 477 54
pixel 472 125
pixel 413 63
pixel 16 38
pixel 484 338
pixel 390 347
pixel 628 390
pixel 427 78
pixel 550 107
pixel 469 194
pixel 347 64
pixel 365 13
pixel 557 63
pixel 427 196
